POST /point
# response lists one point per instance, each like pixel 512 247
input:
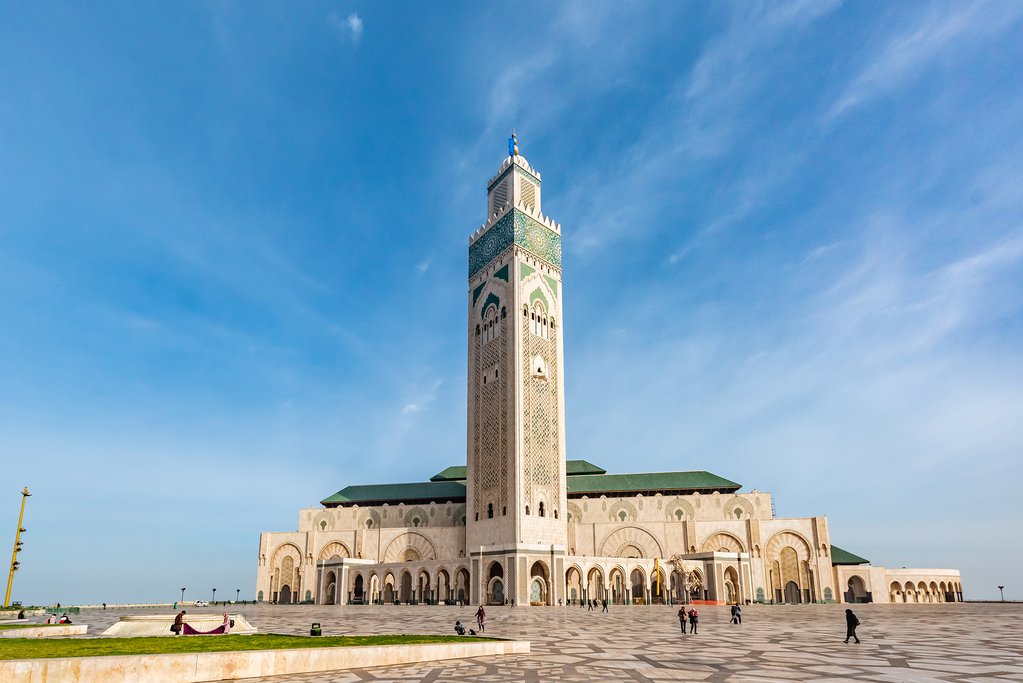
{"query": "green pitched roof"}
pixel 456 473
pixel 598 484
pixel 576 467
pixel 422 492
pixel 572 468
pixel 839 556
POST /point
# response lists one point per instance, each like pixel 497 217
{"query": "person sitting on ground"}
pixel 21 614
pixel 51 618
pixel 64 619
pixel 472 632
pixel 179 623
pixel 459 629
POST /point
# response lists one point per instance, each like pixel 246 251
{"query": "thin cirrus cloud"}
pixel 350 27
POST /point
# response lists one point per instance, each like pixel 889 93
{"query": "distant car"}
pixel 201 603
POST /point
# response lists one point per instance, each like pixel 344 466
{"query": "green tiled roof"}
pixel 423 492
pixel 597 484
pixel 456 473
pixel 576 467
pixel 839 556
pixel 572 468
pixel 586 479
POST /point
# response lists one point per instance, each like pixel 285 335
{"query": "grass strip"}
pixel 4 627
pixel 48 648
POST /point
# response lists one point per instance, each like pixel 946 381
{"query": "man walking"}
pixel 736 614
pixel 851 622
pixel 604 603
pixel 682 616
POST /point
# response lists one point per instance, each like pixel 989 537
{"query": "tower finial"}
pixel 515 144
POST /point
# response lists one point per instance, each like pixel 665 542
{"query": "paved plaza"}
pixel 954 642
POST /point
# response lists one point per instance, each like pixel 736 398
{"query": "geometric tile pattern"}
pixel 962 642
pixel 518 227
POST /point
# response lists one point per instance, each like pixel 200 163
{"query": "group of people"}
pixel 53 619
pixel 481 620
pixel 692 617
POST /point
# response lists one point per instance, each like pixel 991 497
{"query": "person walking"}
pixel 481 617
pixel 604 604
pixel 682 616
pixel 851 622
pixel 736 614
pixel 694 620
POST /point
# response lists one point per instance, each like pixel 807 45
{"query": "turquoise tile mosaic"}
pixel 515 227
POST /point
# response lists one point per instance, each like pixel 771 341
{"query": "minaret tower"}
pixel 516 499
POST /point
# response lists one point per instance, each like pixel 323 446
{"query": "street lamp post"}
pixel 17 547
pixel 214 596
pixel 1001 590
pixel 182 594
pixel 237 594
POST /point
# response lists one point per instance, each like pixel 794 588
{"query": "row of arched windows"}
pixel 490 327
pixel 540 324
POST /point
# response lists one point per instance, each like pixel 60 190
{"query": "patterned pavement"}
pixel 900 643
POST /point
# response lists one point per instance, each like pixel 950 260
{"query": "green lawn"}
pixel 42 648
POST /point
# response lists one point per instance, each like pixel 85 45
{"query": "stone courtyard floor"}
pixel 900 643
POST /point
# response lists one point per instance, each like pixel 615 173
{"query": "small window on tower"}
pixel 527 509
pixel 490 510
pixel 540 509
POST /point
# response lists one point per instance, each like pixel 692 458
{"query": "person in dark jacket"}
pixel 682 616
pixel 736 614
pixel 851 622
pixel 694 619
pixel 179 622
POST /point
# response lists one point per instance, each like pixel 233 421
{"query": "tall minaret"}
pixel 516 505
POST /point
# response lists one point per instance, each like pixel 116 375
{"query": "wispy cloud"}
pixel 350 27
pixel 907 54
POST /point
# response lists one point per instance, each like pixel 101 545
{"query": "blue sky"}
pixel 233 261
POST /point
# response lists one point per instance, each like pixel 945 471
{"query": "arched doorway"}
pixel 619 594
pixel 462 583
pixel 330 596
pixel 731 586
pixel 389 593
pixel 856 590
pixel 792 593
pixel 495 584
pixel 658 589
pixel 574 584
pixel 357 591
pixel 638 583
pixel 443 586
pixel 423 588
pixel 405 592
pixel 595 585
pixel 285 594
pixel 539 584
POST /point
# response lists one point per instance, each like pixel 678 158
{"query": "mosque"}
pixel 519 523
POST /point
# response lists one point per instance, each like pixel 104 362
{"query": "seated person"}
pixel 459 629
pixel 64 619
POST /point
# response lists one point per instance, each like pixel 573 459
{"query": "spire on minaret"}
pixel 513 145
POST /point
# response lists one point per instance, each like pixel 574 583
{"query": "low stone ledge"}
pixel 194 667
pixel 55 631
